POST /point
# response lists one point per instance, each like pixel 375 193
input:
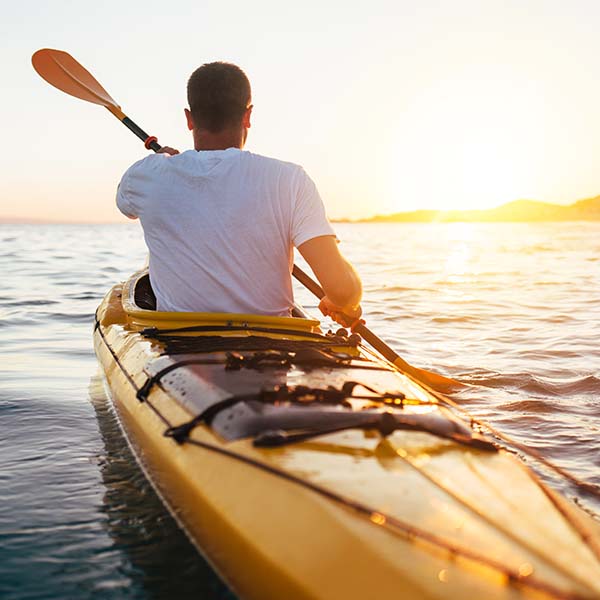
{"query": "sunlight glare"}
pixel 469 143
pixel 460 266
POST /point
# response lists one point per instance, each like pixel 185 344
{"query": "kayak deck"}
pixel 304 467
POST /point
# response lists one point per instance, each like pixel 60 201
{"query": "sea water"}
pixel 513 309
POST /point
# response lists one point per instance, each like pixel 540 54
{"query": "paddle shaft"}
pixel 149 142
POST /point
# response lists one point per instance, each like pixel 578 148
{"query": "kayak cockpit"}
pixel 139 304
pixel 143 294
pixel 273 379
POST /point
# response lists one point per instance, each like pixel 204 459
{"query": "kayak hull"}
pixel 344 515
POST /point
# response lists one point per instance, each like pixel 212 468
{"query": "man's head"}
pixel 220 99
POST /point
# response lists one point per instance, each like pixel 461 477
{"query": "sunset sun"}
pixel 469 143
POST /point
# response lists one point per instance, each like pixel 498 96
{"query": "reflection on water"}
pixel 460 241
pixel 137 522
pixel 511 308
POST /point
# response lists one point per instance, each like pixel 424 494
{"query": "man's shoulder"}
pixel 275 164
pixel 147 165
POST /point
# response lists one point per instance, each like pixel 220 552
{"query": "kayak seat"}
pixel 144 294
pixel 145 298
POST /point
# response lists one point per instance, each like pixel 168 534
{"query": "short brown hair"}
pixel 218 94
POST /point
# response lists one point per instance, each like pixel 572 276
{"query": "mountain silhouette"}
pixel 517 211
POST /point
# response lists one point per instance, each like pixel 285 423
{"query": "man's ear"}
pixel 246 119
pixel 189 118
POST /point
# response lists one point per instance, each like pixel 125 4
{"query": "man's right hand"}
pixel 167 150
pixel 341 284
pixel 344 315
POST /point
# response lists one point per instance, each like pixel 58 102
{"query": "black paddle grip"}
pixel 150 142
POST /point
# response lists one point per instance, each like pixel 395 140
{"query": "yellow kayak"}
pixel 303 466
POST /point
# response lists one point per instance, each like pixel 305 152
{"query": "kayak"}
pixel 304 466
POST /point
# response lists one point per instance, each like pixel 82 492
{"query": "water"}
pixel 512 308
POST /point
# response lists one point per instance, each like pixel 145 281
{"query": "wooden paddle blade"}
pixel 62 71
pixel 438 382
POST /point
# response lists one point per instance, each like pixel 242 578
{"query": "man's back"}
pixel 220 226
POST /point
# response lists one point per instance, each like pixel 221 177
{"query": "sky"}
pixel 389 106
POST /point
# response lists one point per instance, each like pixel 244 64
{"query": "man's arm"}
pixel 124 200
pixel 339 280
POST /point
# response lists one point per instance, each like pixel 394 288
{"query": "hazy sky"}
pixel 390 106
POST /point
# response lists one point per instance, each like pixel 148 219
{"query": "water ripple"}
pixel 513 310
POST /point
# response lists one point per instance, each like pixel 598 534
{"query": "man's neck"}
pixel 207 140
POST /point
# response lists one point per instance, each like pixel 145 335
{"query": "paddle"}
pixel 434 380
pixel 63 72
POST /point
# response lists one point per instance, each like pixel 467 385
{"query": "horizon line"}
pixel 20 220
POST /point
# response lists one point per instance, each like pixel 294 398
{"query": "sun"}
pixel 466 145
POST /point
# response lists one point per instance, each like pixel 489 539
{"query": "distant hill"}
pixel 517 211
pixel 34 221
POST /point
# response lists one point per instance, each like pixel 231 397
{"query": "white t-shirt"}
pixel 220 226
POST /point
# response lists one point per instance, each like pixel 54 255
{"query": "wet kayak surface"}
pixel 511 308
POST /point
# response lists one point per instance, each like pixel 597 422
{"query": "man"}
pixel 220 223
